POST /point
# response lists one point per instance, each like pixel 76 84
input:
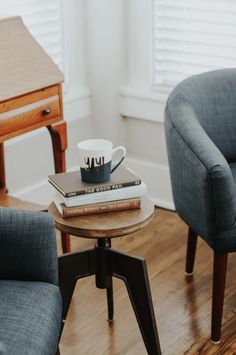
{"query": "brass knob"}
pixel 47 111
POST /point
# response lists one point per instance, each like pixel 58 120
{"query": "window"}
pixel 43 19
pixel 191 36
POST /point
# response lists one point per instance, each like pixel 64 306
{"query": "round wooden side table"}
pixel 105 263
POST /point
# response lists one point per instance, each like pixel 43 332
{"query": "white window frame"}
pixel 137 97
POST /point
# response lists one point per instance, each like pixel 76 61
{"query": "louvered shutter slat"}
pixel 43 19
pixel 191 36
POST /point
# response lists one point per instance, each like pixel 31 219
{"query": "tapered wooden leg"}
pixel 191 251
pixel 133 272
pixel 58 351
pixel 219 277
pixel 58 133
pixel 65 243
pixel 2 170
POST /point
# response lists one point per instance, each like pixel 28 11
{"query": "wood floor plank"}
pixel 182 304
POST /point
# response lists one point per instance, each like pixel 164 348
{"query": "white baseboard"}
pixel 41 192
pixel 38 193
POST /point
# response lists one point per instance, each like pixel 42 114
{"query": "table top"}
pixel 105 225
pixel 25 66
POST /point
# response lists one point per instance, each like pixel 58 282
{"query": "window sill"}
pixel 142 104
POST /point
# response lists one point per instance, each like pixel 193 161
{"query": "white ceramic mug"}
pixel 95 159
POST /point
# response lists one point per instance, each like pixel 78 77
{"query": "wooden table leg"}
pixel 65 243
pixel 58 133
pixel 2 170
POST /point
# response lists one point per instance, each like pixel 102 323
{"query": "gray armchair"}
pixel 30 300
pixel 200 124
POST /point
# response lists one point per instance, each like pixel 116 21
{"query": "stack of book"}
pixel 73 197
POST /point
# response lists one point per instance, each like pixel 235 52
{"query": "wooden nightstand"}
pixel 30 98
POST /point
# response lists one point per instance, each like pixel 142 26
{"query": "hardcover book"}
pixel 70 183
pixel 104 196
pixel 111 206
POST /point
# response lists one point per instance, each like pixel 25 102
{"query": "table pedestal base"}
pixel 104 263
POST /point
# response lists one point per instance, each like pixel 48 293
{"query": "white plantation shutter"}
pixel 43 19
pixel 192 36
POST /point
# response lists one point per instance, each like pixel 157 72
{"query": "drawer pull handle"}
pixel 47 111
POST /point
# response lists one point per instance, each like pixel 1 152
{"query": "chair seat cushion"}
pixel 30 317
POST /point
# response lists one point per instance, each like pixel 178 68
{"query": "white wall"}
pixel 143 107
pixel 106 32
pixel 124 107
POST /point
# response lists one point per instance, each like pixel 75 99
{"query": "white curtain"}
pixel 192 36
pixel 43 19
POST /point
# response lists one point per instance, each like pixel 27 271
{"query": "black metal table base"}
pixel 104 263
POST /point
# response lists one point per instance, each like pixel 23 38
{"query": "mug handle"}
pixel 120 161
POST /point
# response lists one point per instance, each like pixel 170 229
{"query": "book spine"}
pixel 57 188
pixel 96 188
pixel 106 196
pixel 103 188
pixel 110 207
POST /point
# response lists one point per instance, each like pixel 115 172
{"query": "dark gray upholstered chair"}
pixel 200 125
pixel 30 300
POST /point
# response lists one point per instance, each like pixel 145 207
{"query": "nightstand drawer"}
pixel 34 114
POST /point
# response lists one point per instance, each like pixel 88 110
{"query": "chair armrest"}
pixel 202 182
pixel 27 246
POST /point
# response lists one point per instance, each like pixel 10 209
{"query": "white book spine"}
pixel 106 196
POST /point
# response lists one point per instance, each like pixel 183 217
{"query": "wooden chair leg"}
pixel 191 251
pixel 58 351
pixel 58 133
pixel 219 277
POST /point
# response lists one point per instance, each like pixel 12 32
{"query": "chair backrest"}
pixel 200 123
pixel 28 249
pixel 212 95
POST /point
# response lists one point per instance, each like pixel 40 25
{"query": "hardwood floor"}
pixel 182 305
